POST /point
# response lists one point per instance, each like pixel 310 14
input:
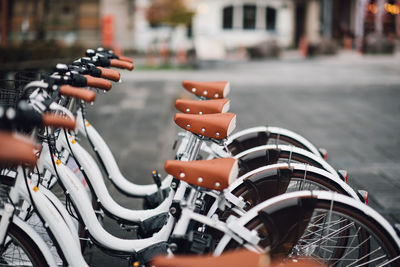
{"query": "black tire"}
pixel 20 250
pixel 299 229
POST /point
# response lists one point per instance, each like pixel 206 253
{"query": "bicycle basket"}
pixel 11 89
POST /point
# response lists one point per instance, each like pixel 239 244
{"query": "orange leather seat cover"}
pixel 207 89
pixel 217 126
pixel 237 258
pixel 16 151
pixel 211 174
pixel 240 258
pixel 202 107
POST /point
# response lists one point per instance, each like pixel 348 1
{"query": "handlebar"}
pixel 58 121
pixel 126 59
pixel 16 150
pixel 121 64
pixel 98 82
pixel 83 94
pixel 110 74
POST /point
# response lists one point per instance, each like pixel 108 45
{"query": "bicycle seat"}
pixel 16 150
pixel 214 174
pixel 217 126
pixel 232 258
pixel 202 107
pixel 215 90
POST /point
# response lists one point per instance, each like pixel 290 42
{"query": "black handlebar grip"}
pixel 78 80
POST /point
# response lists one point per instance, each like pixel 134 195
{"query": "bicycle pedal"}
pixel 200 242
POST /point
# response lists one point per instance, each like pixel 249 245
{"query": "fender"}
pixel 263 185
pixel 65 238
pixel 272 180
pixel 72 224
pixel 36 238
pixel 270 154
pixel 260 135
pixel 287 222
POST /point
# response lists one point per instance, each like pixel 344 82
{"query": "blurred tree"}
pixel 170 13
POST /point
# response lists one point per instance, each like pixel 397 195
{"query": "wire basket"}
pixel 11 89
pixel 9 94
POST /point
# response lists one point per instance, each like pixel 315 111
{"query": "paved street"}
pixel 348 104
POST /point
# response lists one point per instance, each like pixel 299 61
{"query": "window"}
pixel 227 18
pixel 249 17
pixel 270 18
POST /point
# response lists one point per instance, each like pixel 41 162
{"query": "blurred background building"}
pixel 211 28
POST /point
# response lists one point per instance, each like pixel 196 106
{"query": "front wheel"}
pixel 20 250
pixel 330 228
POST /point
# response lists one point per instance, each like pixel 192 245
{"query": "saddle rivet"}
pixel 200 113
pixel 205 93
pixel 217 134
pixel 182 175
pixel 200 180
pixel 216 95
pixel 187 110
pixel 193 89
pixel 188 126
pixel 217 184
pixel 203 130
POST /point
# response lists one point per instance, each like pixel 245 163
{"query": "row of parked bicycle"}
pixel 261 195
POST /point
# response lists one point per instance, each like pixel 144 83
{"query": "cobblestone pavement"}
pixel 348 104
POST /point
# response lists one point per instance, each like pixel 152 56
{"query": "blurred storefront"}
pixel 354 23
pixel 87 22
pixel 66 21
pixel 226 24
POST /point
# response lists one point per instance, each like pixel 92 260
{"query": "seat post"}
pixel 192 148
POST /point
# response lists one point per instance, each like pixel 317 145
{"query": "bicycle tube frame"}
pixel 52 217
pixel 83 206
pixel 100 190
pixel 110 165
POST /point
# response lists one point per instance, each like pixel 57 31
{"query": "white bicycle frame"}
pixel 96 180
pixel 111 165
pixel 55 216
pixel 242 235
pixel 213 150
pixel 84 208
